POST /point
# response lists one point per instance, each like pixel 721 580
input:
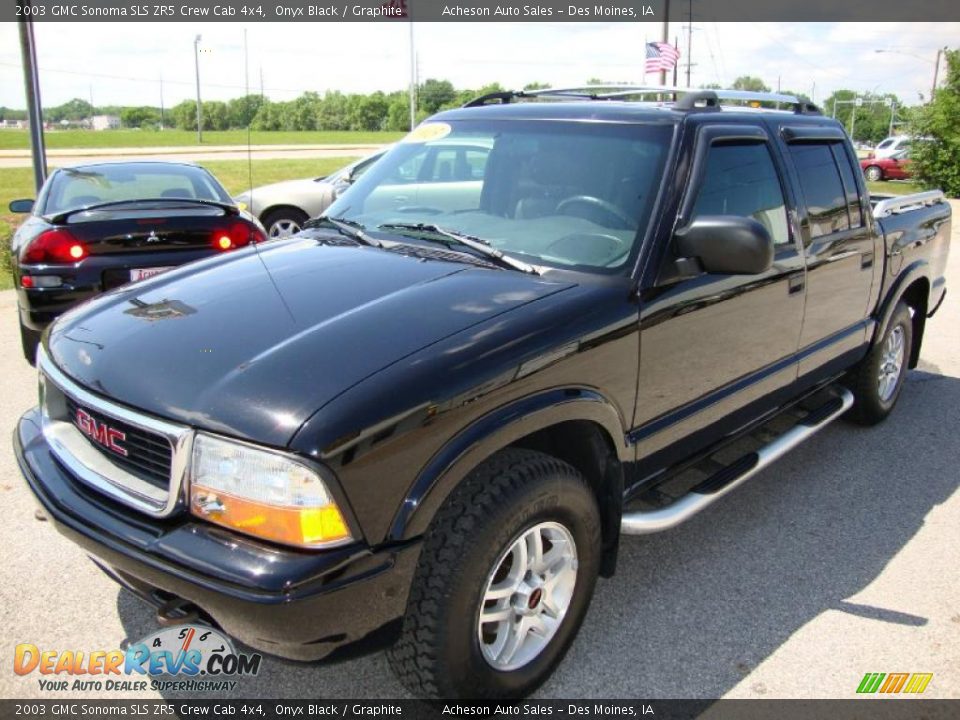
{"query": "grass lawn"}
pixel 18 183
pixel 20 139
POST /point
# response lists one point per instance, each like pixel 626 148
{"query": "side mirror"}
pixel 727 244
pixel 21 206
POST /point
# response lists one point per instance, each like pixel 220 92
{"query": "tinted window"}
pixel 822 188
pixel 77 187
pixel 742 180
pixel 849 185
pixel 562 193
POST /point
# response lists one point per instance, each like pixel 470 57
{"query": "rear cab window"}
pixel 832 203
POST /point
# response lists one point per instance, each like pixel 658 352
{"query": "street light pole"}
pixel 31 81
pixel 196 63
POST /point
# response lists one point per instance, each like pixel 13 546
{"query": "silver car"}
pixel 284 206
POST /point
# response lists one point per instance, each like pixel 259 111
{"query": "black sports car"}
pixel 96 227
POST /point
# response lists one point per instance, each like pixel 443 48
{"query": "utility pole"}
pixel 936 72
pixel 665 37
pixel 161 101
pixel 893 114
pixel 689 39
pixel 413 79
pixel 196 63
pixel 31 82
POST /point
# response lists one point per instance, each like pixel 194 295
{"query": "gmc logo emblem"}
pixel 101 433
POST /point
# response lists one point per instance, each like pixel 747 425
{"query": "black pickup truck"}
pixel 537 324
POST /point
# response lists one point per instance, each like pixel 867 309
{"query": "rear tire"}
pixel 481 555
pixel 873 173
pixel 878 379
pixel 29 341
pixel 284 222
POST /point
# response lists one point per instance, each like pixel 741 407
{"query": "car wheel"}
pixel 283 222
pixel 503 582
pixel 29 341
pixel 877 381
pixel 873 173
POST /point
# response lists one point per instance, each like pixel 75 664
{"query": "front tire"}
pixel 878 379
pixel 873 173
pixel 503 582
pixel 283 222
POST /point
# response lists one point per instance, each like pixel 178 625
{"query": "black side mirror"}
pixel 21 206
pixel 727 244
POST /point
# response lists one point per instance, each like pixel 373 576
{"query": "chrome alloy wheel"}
pixel 527 595
pixel 283 228
pixel 891 364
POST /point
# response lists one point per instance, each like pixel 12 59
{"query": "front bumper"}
pixel 296 604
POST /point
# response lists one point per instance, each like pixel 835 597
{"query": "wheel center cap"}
pixel 534 600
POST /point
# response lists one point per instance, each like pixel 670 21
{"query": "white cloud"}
pixel 122 63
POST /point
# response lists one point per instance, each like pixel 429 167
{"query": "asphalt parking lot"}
pixel 840 560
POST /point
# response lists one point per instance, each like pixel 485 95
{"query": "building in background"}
pixel 105 122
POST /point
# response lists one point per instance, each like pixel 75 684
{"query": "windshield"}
pixel 78 187
pixel 565 194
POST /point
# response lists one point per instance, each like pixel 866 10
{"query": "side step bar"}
pixel 646 522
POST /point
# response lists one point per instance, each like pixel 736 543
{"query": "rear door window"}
pixel 822 188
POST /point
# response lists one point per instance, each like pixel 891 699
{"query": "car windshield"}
pixel 72 188
pixel 556 193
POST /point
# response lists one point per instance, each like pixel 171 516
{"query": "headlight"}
pixel 264 494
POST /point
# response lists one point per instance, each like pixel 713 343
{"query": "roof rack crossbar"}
pixel 687 98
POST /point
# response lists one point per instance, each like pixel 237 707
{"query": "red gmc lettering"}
pixel 101 432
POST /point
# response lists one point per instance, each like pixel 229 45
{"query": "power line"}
pixel 145 79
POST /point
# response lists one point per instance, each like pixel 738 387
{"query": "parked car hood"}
pixel 253 343
pixel 291 187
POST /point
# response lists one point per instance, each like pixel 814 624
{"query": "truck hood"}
pixel 253 343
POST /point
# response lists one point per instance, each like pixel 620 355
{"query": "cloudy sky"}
pixel 122 63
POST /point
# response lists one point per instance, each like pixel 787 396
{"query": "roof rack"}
pixel 683 98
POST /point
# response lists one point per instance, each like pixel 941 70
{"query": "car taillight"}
pixel 236 235
pixel 57 246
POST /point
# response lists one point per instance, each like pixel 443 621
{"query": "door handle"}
pixel 866 260
pixel 795 284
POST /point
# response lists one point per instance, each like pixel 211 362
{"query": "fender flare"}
pixel 495 431
pixel 917 270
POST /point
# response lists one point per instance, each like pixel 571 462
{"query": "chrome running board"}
pixel 645 522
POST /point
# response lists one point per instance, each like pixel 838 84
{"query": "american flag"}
pixel 660 56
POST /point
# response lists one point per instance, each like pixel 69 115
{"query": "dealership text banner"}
pixel 253 11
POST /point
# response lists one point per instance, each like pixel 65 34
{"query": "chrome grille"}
pixel 148 455
pixel 150 478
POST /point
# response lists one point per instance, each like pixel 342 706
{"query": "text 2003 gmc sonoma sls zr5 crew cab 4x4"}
pixel 426 420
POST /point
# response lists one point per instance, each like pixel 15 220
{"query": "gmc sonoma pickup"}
pixel 533 326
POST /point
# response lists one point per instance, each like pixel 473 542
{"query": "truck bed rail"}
pixel 904 203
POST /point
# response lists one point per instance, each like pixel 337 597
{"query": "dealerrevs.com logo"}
pixel 201 657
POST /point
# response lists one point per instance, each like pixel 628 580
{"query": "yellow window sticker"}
pixel 427 132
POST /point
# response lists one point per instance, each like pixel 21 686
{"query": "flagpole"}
pixel 665 37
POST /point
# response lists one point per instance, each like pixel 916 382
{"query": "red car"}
pixel 895 167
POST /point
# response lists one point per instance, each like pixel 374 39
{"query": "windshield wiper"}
pixel 62 215
pixel 350 228
pixel 475 243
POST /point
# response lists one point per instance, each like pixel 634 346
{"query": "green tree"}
pixel 936 156
pixel 435 93
pixel 242 110
pixel 333 112
pixel 75 109
pixel 139 117
pixel 215 115
pixel 748 82
pixel 184 115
